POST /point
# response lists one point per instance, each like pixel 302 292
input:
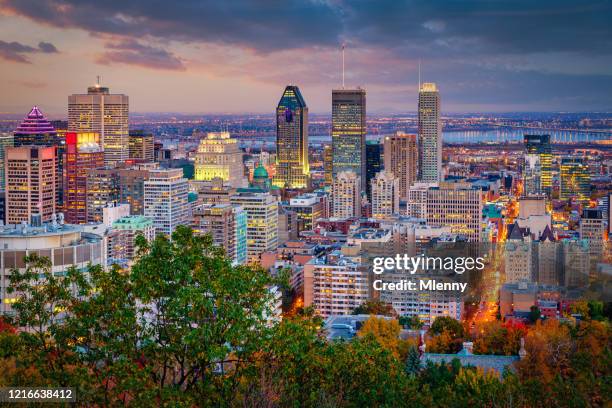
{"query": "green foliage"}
pixel 413 361
pixel 411 322
pixel 375 307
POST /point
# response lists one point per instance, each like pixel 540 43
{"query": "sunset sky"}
pixel 236 56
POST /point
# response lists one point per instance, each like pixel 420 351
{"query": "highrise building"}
pixel 36 130
pixel 349 132
pixel 83 154
pixel 575 180
pixel 131 185
pixel 227 224
pixel 292 168
pixel 346 195
pixel 385 195
pixel 30 176
pixel 6 140
pixel 262 222
pixel 104 113
pixel 430 134
pixel 328 158
pixel 165 200
pixel 308 208
pixel 373 151
pixel 532 175
pixel 219 156
pixel 401 158
pixel 539 145
pixel 141 146
pixel 102 189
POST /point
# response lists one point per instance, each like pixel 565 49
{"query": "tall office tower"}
pixel 83 154
pixel 6 140
pixel 219 156
pixel 308 208
pixel 349 132
pixel 540 145
pixel 141 146
pixel 262 222
pixel 592 228
pixel 30 183
pixel 104 113
pixel 430 134
pixel 36 130
pixel 373 164
pixel 575 179
pixel 102 189
pixel 458 206
pixel 328 158
pixel 131 185
pixel 401 158
pixel 292 168
pixel 227 224
pixel 346 195
pixel 165 200
pixel 532 175
pixel 385 195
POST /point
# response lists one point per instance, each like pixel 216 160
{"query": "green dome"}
pixel 260 173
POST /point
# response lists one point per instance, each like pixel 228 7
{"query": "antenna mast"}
pixel 419 74
pixel 98 80
pixel 343 45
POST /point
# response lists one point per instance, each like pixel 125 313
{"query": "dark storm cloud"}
pixel 134 53
pixel 263 25
pixel 17 52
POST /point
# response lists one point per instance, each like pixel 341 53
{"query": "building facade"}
pixel 219 156
pixel 227 224
pixel 385 195
pixel 346 195
pixel 165 200
pixel 141 146
pixel 104 113
pixel 401 159
pixel 292 166
pixel 430 134
pixel 349 132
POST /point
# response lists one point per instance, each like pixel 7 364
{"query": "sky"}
pixel 236 56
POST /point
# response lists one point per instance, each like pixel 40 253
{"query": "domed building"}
pixel 261 178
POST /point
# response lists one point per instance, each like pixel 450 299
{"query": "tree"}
pixel 385 331
pixel 413 361
pixel 375 307
pixel 447 324
pixel 412 322
pixel 534 314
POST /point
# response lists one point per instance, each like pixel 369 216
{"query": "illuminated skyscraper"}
pixel 540 145
pixel 328 164
pixel 349 132
pixel 532 175
pixel 430 134
pixel 292 168
pixel 401 159
pixel 165 200
pixel 373 164
pixel 575 179
pixel 219 156
pixel 30 183
pixel 104 113
pixel 83 154
pixel 36 130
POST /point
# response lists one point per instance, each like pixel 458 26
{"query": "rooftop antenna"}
pixel 98 80
pixel 419 74
pixel 343 46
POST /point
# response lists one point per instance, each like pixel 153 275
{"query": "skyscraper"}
pixel 292 168
pixel 36 130
pixel 346 195
pixel 102 189
pixel 165 200
pixel 227 224
pixel 539 145
pixel 430 134
pixel 328 158
pixel 532 175
pixel 30 183
pixel 401 159
pixel 349 132
pixel 373 164
pixel 575 179
pixel 219 156
pixel 141 146
pixel 385 197
pixel 83 154
pixel 104 113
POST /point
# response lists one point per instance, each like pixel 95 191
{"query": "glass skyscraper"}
pixel 575 179
pixel 373 164
pixel 540 146
pixel 349 132
pixel 292 169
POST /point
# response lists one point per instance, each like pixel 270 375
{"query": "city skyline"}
pixel 504 56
